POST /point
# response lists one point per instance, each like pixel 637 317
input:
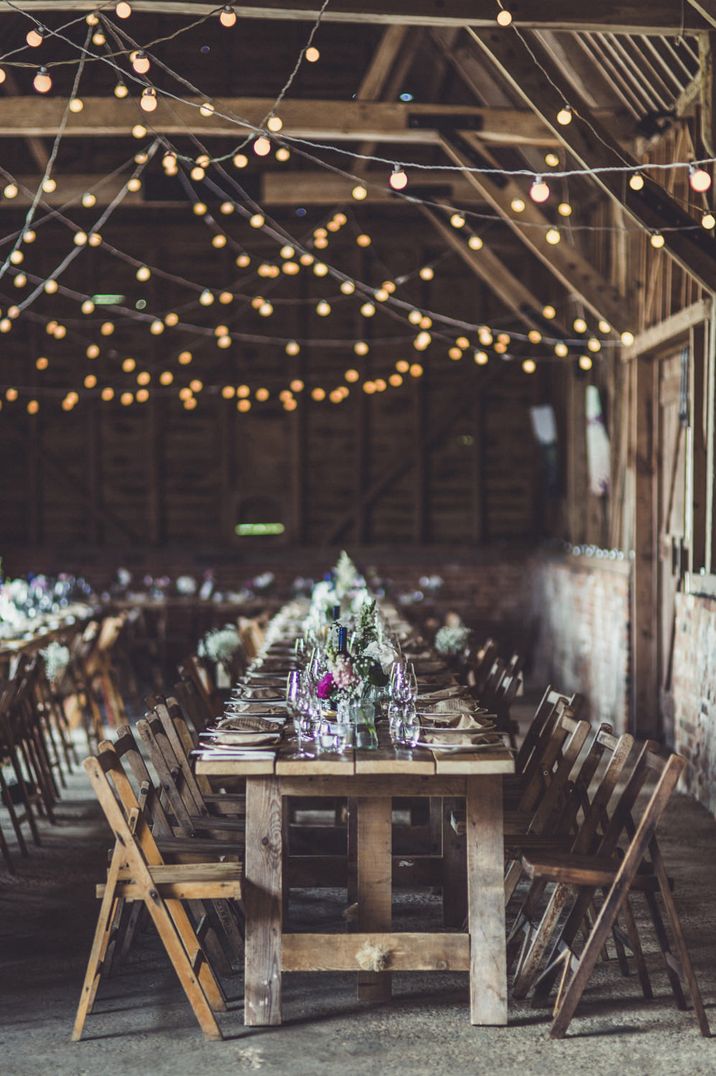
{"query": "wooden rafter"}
pixel 373 121
pixel 706 9
pixel 570 267
pixel 495 274
pixel 618 16
pixel 541 85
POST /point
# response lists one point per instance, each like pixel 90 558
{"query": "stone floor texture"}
pixel 142 1023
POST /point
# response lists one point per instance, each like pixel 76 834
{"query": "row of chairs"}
pixel 38 718
pixel 580 832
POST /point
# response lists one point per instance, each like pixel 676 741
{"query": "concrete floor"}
pixel 143 1024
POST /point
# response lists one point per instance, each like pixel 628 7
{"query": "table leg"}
pixel 454 873
pixel 486 900
pixel 263 901
pixel 374 885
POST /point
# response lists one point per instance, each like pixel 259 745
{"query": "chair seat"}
pixel 184 881
pixel 572 869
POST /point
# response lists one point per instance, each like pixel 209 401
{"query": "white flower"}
pixel 383 653
pixel 452 640
pixel 56 658
pixel 220 645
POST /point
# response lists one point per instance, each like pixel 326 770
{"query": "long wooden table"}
pixel 370 779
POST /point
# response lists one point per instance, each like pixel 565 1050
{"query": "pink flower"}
pixel 325 686
pixel 343 673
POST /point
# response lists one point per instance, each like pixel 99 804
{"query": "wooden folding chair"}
pixel 138 872
pixel 639 868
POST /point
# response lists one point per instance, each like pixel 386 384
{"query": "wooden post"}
pixel 375 870
pixel 486 900
pixel 263 902
pixel 645 699
pixel 696 457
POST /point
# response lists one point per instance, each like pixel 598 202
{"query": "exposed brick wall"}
pixel 694 693
pixel 582 607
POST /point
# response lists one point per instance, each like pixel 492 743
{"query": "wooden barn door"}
pixel 672 443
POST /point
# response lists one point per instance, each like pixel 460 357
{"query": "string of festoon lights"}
pixel 395 165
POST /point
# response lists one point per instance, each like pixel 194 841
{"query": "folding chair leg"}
pixel 99 946
pixel 635 942
pixel 687 967
pixel 174 946
pixel 195 953
pixel 540 941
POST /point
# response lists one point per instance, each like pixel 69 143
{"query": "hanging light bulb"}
pixel 657 240
pixel 10 191
pixel 539 191
pixel 457 220
pixel 123 10
pixel 585 362
pixel 579 325
pixel 143 273
pixel 51 286
pixel 427 272
pixel 49 185
pixel 561 350
pixel 564 209
pixel 553 236
pixel 312 54
pixel 549 312
pixel 148 100
pixel 87 307
pixel 699 179
pixel 76 104
pixel 708 221
pixel 564 116
pixel 398 178
pixel 227 17
pixel 475 242
pixel 359 193
pixel 518 205
pixel 140 62
pixel 35 36
pixel 3 75
pixel 88 200
pixel 79 239
pixel 42 81
pixel 529 366
pixel 361 348
pixel 274 124
pixel 636 182
pixel 120 90
pixel 504 17
pixel 262 146
pixel 206 298
pixel 551 160
pixel 323 309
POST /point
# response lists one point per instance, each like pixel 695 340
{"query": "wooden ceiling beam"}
pixel 373 121
pixel 706 9
pixel 567 264
pixel 275 188
pixel 492 271
pixel 615 16
pixel 543 87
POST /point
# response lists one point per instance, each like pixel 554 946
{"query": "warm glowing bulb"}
pixel 123 10
pixel 552 236
pixel 185 358
pixel 457 220
pixel 361 348
pixel 561 350
pixel 42 81
pixel 367 310
pixel 585 363
pixel 504 17
pixel 636 182
pixel 79 239
pixel 579 325
pixel 594 344
pixel 534 336
pixel 10 191
pixel 427 272
pixel 129 365
pixel 363 240
pixel 35 37
pixel 318 393
pixel 475 242
pixel 627 338
pixel 95 239
pixel 564 116
pixel 262 395
pixel 551 160
pixel 206 298
pixel 219 241
pixel 76 104
pixel 549 312
pixel 564 209
pixel 657 240
pixel 140 62
pixel 88 200
pixel 292 347
pixel 699 179
pixel 262 146
pixel 539 191
pixel 240 160
pixel 206 108
pixel 529 366
pixel 49 185
pixel 157 327
pixel 323 309
pixel 351 375
pixel 398 179
pixel 455 354
pixel 120 90
pixel 359 193
pixel 51 286
pixel 148 100
pixel 708 221
pixel 312 54
pixel 518 205
pixel 274 123
pixel 92 351
pixel 257 220
pixel 227 17
pixel 90 381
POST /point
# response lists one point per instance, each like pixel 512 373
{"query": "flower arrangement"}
pixel 56 658
pixel 220 645
pixel 452 639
